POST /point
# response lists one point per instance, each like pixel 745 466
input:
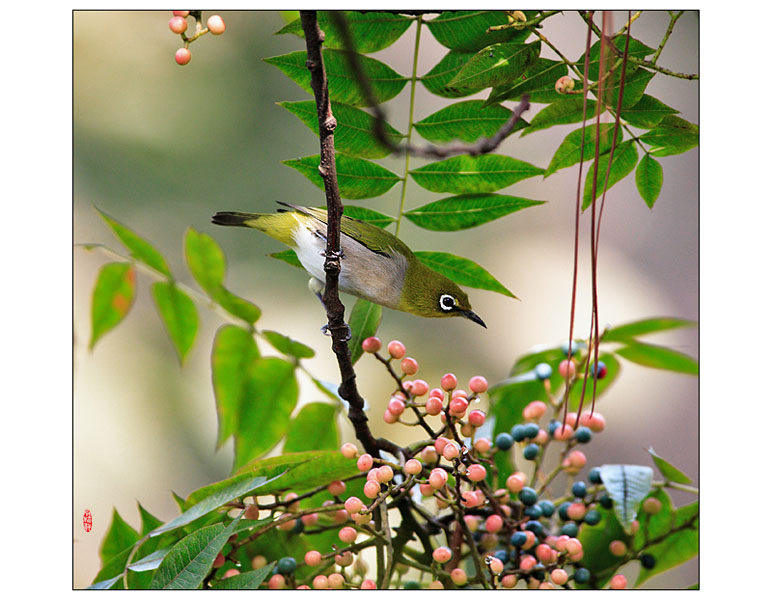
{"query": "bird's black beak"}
pixel 473 317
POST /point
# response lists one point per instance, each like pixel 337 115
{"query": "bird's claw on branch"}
pixel 346 336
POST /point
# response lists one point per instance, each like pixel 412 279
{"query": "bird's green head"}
pixel 427 293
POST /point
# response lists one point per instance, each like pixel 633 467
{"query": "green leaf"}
pixel 288 256
pixel 233 352
pixel 110 576
pixel 538 82
pixel 354 130
pixel 627 485
pixel 114 293
pixel 628 331
pixel 216 495
pixel 313 428
pixel 636 82
pixel 357 178
pixel 250 580
pixel 237 306
pixel 595 544
pixel 178 313
pixel 205 259
pixel 658 357
pixel 269 398
pixel 648 179
pixel 463 271
pixel 668 471
pixel 370 31
pixel 569 151
pixel 436 80
pixel 343 87
pixel 364 320
pixel 467 30
pixel 139 248
pixel 119 536
pixel 636 49
pixel 190 560
pixel 647 112
pixel 568 110
pixel 150 562
pixel 473 174
pixel 623 162
pixel 287 345
pixel 468 121
pixel 497 64
pixel 673 135
pixel 368 215
pixel 465 211
pixel 601 385
pixel 149 521
pixel 299 471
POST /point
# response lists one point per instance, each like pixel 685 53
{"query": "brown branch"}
pixel 482 146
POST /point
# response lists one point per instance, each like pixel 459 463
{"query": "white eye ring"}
pixel 447 302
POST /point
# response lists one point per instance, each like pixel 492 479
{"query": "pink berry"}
pixel 509 581
pixel 336 488
pixel 442 554
pixel 420 387
pixel 567 368
pixel 365 462
pixel 389 417
pixel 496 566
pixel 433 405
pixel 180 13
pixel 573 546
pixel 469 499
pixel 437 478
pixel 459 394
pixel 426 489
pixel 372 474
pixel 349 450
pixel 527 562
pixel 429 455
pixel 372 489
pixel 618 582
pixel 450 451
pixel 436 585
pixel 576 511
pixel 178 24
pixel 472 522
pixel 577 459
pixel 478 384
pixel 476 472
pixel 347 535
pixel 409 366
pixel 535 410
pixel 530 540
pixel 617 548
pixel 476 418
pixel 345 559
pixel 371 344
pixel 494 523
pixel 482 445
pixel 563 432
pixel 440 443
pixel 396 406
pixel 310 519
pixel 182 56
pixel 458 406
pixel 368 584
pixel 396 349
pixel 313 558
pixel 353 505
pixel 652 505
pixel 559 576
pixel 448 382
pixel 544 553
pixel 560 543
pixel 276 582
pixel 215 24
pixel 597 423
pixel 413 467
pixel 458 576
pixel 336 581
pixel 384 474
pixel 546 585
pixel 515 483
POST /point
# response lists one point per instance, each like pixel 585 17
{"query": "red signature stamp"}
pixel 87 520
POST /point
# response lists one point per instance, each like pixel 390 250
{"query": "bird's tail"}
pixel 279 226
pixel 236 219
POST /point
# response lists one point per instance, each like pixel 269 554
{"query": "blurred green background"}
pixel 161 148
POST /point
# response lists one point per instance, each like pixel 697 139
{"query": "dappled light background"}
pixel 161 148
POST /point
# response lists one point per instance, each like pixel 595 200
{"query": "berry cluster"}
pixel 179 25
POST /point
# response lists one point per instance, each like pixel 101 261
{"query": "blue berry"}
pixel 553 427
pixel 563 511
pixel 518 433
pixel 600 370
pixel 412 585
pixel 502 555
pixel 530 430
pixel 531 451
pixel 594 475
pixel 574 348
pixel 579 489
pixel 528 496
pixel 647 561
pixel 592 517
pixel 547 508
pixel 542 371
pixel 536 527
pixel 570 529
pixel 518 538
pixel 583 435
pixel 534 511
pixel 581 575
pixel 606 501
pixel 298 527
pixel 286 565
pixel 504 441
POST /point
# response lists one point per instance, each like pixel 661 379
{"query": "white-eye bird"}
pixel 375 264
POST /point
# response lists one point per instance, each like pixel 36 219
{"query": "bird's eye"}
pixel 447 302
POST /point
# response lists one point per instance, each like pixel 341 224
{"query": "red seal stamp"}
pixel 87 520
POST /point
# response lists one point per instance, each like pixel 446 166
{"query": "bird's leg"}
pixel 317 287
pixel 338 255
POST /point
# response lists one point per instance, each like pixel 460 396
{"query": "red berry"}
pixel 493 524
pixel 389 417
pixel 476 472
pixel 396 349
pixel 433 405
pixel 276 582
pixel 478 384
pixel 371 344
pixel 617 548
pixel 313 558
pixel 420 387
pixel 469 499
pixel 219 561
pixel 576 511
pixel 180 13
pixel 544 553
pixel 182 56
pixel 442 554
pixel 476 418
pixel 396 406
pixel 347 535
pixel 567 368
pixel 215 24
pixel 440 443
pixel 448 382
pixel 409 366
pixel 563 432
pixel 178 24
pixel 458 406
pixel 368 584
pixel 527 562
pixel 618 582
pixel 509 581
